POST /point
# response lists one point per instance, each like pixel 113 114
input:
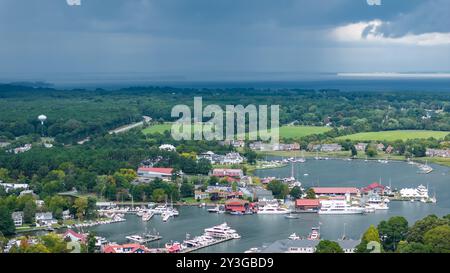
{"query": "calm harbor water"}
pixel 257 230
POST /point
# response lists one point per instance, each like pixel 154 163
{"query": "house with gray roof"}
pixel 306 246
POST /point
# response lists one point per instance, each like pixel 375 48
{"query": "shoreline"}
pixel 345 155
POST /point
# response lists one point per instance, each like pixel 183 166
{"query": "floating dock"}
pixel 215 242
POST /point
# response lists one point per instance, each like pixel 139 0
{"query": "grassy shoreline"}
pixel 346 154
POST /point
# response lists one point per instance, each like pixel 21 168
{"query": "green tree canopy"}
pixel 6 222
pixel 438 239
pixel 371 235
pixel 326 246
pixel 392 232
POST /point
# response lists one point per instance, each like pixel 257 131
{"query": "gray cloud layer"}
pixel 185 36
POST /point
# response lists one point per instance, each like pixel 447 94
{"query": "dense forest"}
pixel 76 114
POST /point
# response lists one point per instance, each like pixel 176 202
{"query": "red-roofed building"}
pixel 126 248
pixel 152 173
pixel 333 191
pixel 307 205
pixel 74 236
pixel 374 188
pixel 236 173
pixel 236 205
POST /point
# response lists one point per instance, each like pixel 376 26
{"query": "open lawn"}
pixel 157 128
pixel 301 131
pixel 395 135
pixel 294 132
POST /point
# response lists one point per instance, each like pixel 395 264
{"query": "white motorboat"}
pixel 174 212
pixel 135 238
pixel 216 209
pixel 273 209
pixel 166 215
pixel 294 236
pixel 290 216
pixel 315 234
pixel 222 231
pixel 147 216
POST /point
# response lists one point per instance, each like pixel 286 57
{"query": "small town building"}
pixel 66 215
pixel 261 194
pixel 306 246
pixel 333 147
pixel 380 146
pixel 232 158
pixel 200 195
pixel 4 144
pixel 335 191
pixel 152 173
pixel 389 149
pixel 438 153
pixel 307 205
pixel 126 248
pixel 14 186
pixel 40 203
pixel 236 205
pixel 28 192
pixel 74 236
pixel 374 188
pixel 17 217
pixel 360 147
pixel 167 147
pixel 237 173
pixel 44 219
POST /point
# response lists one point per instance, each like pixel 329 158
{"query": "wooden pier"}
pixel 218 241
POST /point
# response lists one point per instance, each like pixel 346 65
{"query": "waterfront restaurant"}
pixel 236 205
pixel 307 205
pixel 375 187
pixel 335 191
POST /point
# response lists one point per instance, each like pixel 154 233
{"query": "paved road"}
pixel 130 126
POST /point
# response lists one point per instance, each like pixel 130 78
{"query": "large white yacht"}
pixel 417 193
pixel 222 231
pixel 273 209
pixel 339 207
pixel 376 203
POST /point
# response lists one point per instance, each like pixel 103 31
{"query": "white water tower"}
pixel 42 119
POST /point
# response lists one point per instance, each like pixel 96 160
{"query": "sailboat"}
pixel 291 216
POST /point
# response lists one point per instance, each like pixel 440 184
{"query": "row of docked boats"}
pixel 314 235
pixel 423 168
pixel 211 236
pixel 163 210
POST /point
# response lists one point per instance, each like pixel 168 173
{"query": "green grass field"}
pixel 285 131
pixel 395 135
pixel 301 131
pixel 157 128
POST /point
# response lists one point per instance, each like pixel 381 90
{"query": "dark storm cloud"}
pixel 180 36
pixel 429 16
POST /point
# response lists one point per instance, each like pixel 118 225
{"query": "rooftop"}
pixel 156 170
pixel 335 190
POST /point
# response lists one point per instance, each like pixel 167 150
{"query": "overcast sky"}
pixel 178 37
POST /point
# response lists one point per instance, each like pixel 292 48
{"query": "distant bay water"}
pixel 315 81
